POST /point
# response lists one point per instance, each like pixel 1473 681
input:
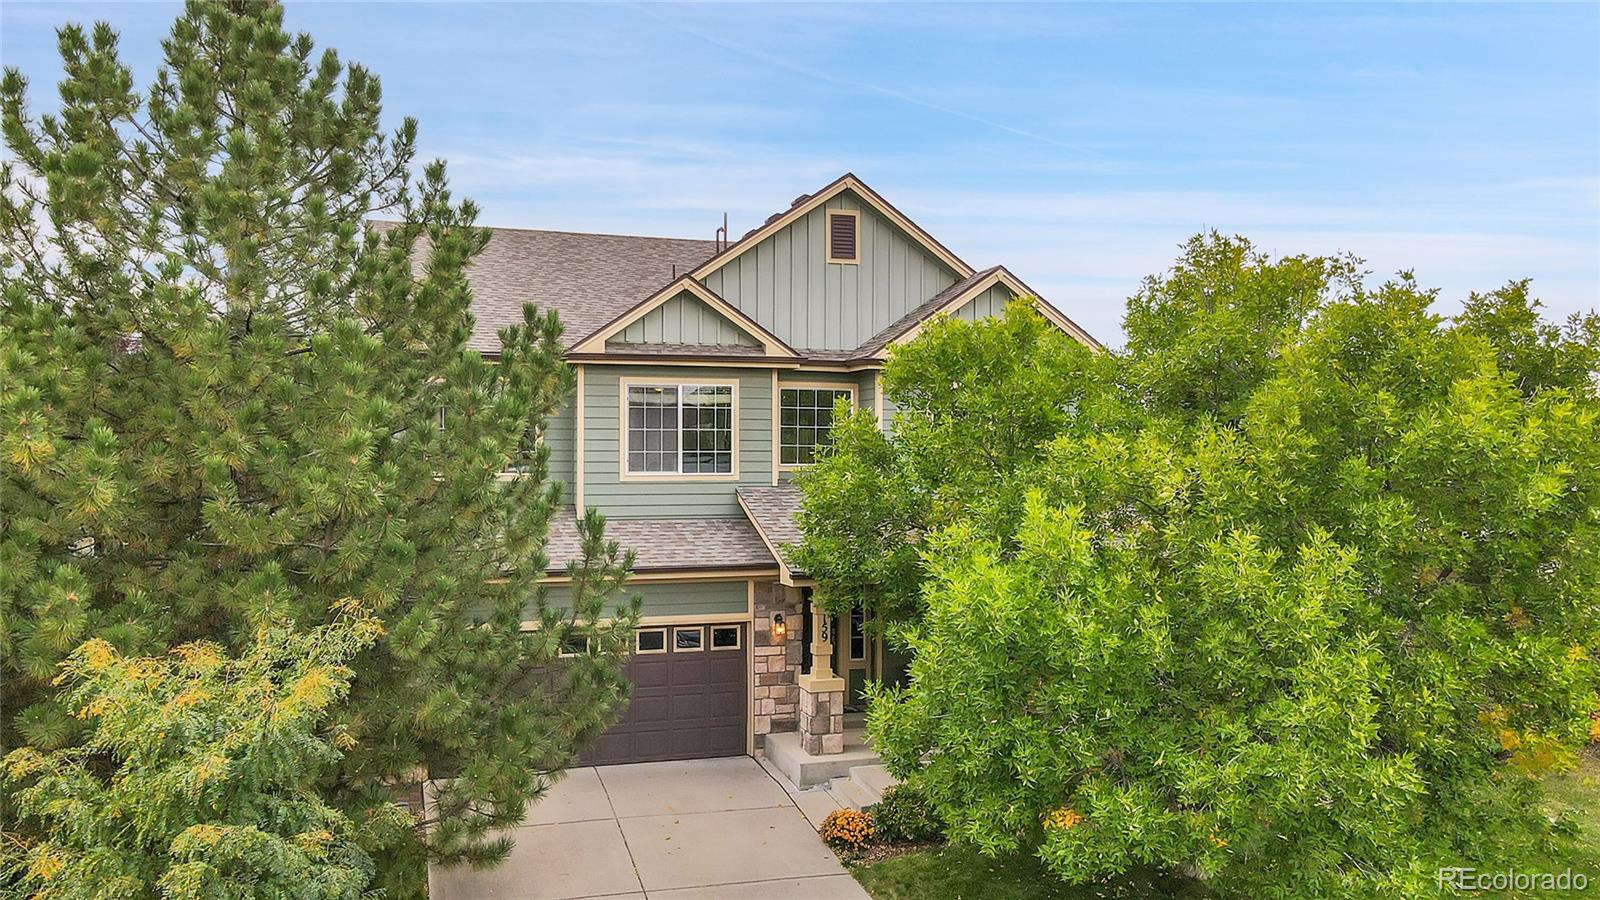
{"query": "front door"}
pixel 855 657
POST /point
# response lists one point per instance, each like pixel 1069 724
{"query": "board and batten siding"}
pixel 989 303
pixel 787 284
pixel 708 598
pixel 665 497
pixel 684 319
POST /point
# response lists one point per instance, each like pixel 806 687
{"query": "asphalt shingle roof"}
pixel 588 279
pixel 714 543
pixel 774 511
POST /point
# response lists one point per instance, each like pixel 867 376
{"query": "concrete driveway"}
pixel 721 829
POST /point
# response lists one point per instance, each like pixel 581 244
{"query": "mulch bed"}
pixel 880 852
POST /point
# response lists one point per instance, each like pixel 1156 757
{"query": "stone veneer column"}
pixel 777 662
pixel 821 694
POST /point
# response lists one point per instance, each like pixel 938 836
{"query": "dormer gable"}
pixel 684 317
pixel 686 320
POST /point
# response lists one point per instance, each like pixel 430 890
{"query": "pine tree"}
pixel 220 411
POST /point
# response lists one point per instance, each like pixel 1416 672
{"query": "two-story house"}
pixel 707 373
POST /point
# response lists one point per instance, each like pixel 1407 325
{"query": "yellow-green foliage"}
pixel 194 778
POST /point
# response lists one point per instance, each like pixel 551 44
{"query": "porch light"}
pixel 778 628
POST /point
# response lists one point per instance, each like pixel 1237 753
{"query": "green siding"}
pixel 602 443
pixel 685 319
pixel 560 436
pixel 989 303
pixel 787 284
pixel 710 598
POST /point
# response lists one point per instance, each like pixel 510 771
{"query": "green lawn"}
pixel 959 873
pixel 1576 795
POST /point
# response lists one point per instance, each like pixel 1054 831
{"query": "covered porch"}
pixel 840 654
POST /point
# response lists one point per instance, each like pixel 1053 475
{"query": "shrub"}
pixel 847 829
pixel 904 814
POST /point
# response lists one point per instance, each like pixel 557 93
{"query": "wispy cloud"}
pixel 863 87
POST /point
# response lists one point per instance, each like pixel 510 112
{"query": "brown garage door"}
pixel 688 697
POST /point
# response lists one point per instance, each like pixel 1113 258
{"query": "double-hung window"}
pixel 805 422
pixel 679 429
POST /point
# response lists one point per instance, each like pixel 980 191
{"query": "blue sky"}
pixel 1078 144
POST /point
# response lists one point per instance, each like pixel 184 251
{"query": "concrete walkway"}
pixel 716 828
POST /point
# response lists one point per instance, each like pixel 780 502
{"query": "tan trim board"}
pixel 718 619
pixel 750 673
pixel 578 450
pixel 722 362
pixel 771 343
pixel 877 396
pixel 775 448
pixel 625 382
pixel 664 359
pixel 850 182
pixel 827 236
pixel 682 575
pixel 658 621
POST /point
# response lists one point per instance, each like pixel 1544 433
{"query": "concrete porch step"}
pixel 875 779
pixel 852 795
pixel 805 770
pixel 864 788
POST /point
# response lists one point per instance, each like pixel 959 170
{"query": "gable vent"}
pixel 842 237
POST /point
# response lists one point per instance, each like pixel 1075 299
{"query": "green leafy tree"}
pixel 196 777
pixel 1311 630
pixel 227 402
pixel 976 408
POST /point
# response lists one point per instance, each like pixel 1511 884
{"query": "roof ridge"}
pixel 639 237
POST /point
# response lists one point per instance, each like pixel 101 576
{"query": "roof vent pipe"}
pixel 721 239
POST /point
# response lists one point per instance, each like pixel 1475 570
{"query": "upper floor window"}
pixel 805 422
pixel 679 429
pixel 843 224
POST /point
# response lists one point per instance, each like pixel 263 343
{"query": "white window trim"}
pixel 738 637
pixel 660 631
pixel 623 384
pixel 777 418
pixel 827 236
pixel 700 629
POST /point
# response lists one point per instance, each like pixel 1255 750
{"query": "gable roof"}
pixel 846 182
pixel 595 341
pixel 599 283
pixel 586 278
pixel 958 295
